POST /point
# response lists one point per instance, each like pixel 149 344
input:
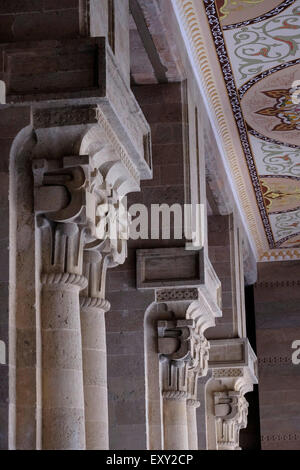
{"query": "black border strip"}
pixel 268 139
pixel 244 88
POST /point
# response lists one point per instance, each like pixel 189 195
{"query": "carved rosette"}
pixel 231 411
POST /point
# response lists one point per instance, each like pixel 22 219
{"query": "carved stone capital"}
pixel 233 366
pixel 79 206
pixel 96 261
pixel 231 410
pixel 184 357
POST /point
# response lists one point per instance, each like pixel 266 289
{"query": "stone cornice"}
pixel 238 366
pixel 128 119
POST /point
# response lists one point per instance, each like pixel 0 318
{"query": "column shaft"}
pixel 175 424
pixel 192 424
pixel 62 379
pixel 95 377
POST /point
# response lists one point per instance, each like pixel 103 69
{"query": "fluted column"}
pixel 93 308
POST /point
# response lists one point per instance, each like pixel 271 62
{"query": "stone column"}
pixel 62 382
pixel 184 356
pixel 93 308
pixel 192 406
pixel 65 206
pixel 175 421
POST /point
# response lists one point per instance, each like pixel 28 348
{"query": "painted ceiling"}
pixel 257 43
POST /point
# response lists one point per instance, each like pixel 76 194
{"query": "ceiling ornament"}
pixel 266 12
pixel 260 61
pixel 196 20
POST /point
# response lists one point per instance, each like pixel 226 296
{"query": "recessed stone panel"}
pixel 169 267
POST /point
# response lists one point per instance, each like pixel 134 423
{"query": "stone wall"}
pixel 30 20
pixel 225 255
pixel 277 308
pixel 12 120
pixel 162 107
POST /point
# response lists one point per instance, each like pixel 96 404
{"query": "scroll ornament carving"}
pixel 78 210
pixel 231 411
pixel 184 357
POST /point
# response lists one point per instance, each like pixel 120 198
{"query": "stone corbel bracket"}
pixel 231 411
pixel 233 365
pixel 233 361
pixel 191 279
pixel 191 290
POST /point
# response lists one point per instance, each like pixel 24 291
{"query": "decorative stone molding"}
pixel 234 371
pixel 274 361
pixel 171 295
pixel 292 436
pixel 64 278
pixel 44 118
pixel 200 284
pixel 220 373
pixel 280 255
pixel 186 307
pixel 118 148
pixel 133 127
pixel 231 410
pixel 183 353
pixel 193 403
pixel 95 264
pixel 276 284
pixel 232 357
pixel 174 395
